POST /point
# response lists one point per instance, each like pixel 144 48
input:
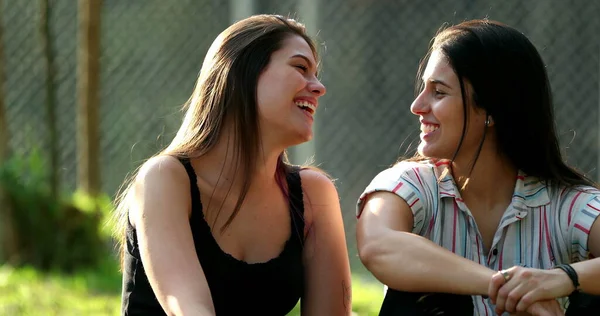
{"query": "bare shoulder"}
pixel 318 186
pixel 161 186
pixel 321 201
pixel 163 167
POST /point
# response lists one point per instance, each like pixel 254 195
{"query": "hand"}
pixel 526 286
pixel 543 308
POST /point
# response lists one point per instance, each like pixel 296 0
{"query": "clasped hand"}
pixel 526 290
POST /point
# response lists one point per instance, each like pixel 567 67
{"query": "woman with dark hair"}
pixel 488 190
pixel 219 223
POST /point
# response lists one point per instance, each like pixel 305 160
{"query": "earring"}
pixel 487 122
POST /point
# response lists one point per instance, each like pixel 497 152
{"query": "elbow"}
pixel 372 252
pixel 386 259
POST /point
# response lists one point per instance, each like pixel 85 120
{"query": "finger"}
pixel 527 300
pixel 545 309
pixel 534 309
pixel 514 297
pixel 558 311
pixel 503 296
pixel 539 309
pixel 495 284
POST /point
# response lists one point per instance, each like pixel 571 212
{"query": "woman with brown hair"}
pixel 219 223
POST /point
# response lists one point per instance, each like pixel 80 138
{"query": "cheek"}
pixel 276 92
pixel 272 104
pixel 449 115
pixel 266 94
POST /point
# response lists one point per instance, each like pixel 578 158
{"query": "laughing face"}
pixel 288 92
pixel 440 110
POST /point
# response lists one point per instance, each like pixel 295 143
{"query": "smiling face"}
pixel 288 92
pixel 440 110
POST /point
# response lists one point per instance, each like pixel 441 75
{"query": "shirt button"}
pixel 495 252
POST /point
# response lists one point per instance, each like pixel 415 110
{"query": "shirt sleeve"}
pixel 415 183
pixel 583 210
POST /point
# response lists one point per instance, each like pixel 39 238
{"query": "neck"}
pixel 491 180
pixel 223 167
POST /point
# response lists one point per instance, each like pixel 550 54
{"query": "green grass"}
pixel 367 297
pixel 25 291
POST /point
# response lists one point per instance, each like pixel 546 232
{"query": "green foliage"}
pixel 101 205
pixel 26 291
pixel 52 232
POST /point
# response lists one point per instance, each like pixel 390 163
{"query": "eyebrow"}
pixel 310 63
pixel 437 81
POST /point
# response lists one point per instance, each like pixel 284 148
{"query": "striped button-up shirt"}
pixel 544 225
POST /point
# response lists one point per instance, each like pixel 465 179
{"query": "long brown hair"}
pixel 226 92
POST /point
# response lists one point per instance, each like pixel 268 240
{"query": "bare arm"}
pixel 160 213
pixel 408 262
pixel 327 269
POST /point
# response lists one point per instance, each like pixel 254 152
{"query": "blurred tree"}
pixel 46 37
pixel 8 238
pixel 88 73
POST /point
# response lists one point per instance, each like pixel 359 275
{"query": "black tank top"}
pixel 237 287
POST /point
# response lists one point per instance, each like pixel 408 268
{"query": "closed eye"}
pixel 439 93
pixel 304 68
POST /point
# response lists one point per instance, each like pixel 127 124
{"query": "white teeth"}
pixel 306 106
pixel 428 128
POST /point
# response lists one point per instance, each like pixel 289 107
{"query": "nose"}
pixel 419 105
pixel 315 86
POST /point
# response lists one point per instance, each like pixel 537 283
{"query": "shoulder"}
pixel 320 197
pixel 410 169
pixel 420 174
pixel 572 196
pixel 161 184
pixel 414 181
pixel 161 168
pixel 318 185
pixel 575 204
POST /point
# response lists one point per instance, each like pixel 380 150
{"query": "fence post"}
pixel 46 41
pixel 308 13
pixel 8 237
pixel 240 9
pixel 88 77
pixel 3 120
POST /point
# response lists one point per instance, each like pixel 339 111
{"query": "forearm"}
pixel 588 273
pixel 408 262
pixel 183 303
pixel 191 309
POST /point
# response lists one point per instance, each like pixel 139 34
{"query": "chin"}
pixel 303 138
pixel 429 151
pixel 423 150
pixel 295 139
pixel 305 133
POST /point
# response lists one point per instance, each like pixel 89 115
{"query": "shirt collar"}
pixel 529 191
